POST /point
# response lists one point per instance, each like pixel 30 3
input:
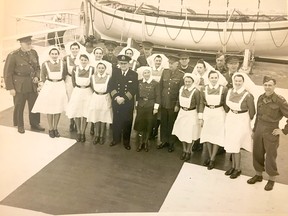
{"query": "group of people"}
pixel 213 106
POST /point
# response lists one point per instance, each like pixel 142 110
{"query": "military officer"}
pixel 170 83
pixel 122 87
pixel 184 65
pixel 220 62
pixel 233 65
pixel 109 56
pixel 147 51
pixel 21 75
pixel 271 108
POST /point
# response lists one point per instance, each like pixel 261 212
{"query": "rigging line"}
pixel 201 36
pixel 225 43
pixel 273 39
pixel 92 20
pixel 178 31
pixel 153 27
pixel 112 21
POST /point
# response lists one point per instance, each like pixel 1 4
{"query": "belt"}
pixel 238 112
pixel 69 74
pixel 187 109
pixel 55 80
pixel 100 93
pixel 83 86
pixel 22 75
pixel 213 106
pixel 146 99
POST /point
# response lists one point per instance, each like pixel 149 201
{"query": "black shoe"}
pixel 128 147
pixel 56 133
pixel 140 147
pixel 101 140
pixel 78 139
pixel 211 165
pixel 187 157
pixel 51 133
pixel 37 128
pixel 92 129
pixel 183 156
pixel 162 145
pixel 206 162
pixel 146 149
pixel 230 171
pixel 235 174
pixel 21 130
pixel 96 140
pixel 255 179
pixel 269 186
pixel 113 143
pixel 170 149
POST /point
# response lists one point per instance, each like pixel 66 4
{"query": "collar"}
pixel 101 76
pixel 272 96
pixel 157 69
pixel 72 57
pixel 53 62
pixel 190 88
pixel 81 67
pixel 239 91
pixel 148 81
pixel 215 87
pixel 125 72
pixel 184 67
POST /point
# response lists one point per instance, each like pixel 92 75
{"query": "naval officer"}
pixel 122 87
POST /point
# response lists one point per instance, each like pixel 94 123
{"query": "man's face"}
pixel 269 87
pixel 110 51
pixel 123 65
pixel 233 66
pixel 220 62
pixel 173 65
pixel 147 51
pixel 184 61
pixel 26 46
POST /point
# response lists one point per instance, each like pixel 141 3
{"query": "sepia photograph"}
pixel 133 107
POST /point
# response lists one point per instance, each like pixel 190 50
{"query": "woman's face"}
pixel 74 50
pixel 188 82
pixel 84 61
pixel 157 62
pixel 213 78
pixel 98 54
pixel 129 53
pixel 101 69
pixel 54 55
pixel 200 68
pixel 146 74
pixel 238 82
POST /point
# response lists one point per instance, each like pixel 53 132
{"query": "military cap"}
pixel 268 78
pixel 147 44
pixel 173 58
pixel 123 58
pixel 110 44
pixel 233 59
pixel 183 55
pixel 25 39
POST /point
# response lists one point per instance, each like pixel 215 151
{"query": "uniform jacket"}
pixel 271 110
pixel 189 69
pixel 112 59
pixel 20 69
pixel 228 77
pixel 142 60
pixel 170 84
pixel 149 94
pixel 123 86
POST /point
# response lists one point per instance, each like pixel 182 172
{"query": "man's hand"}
pixel 277 132
pixel 155 111
pixel 12 92
pixel 35 80
pixel 176 108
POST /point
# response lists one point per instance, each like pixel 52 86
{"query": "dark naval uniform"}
pixel 270 111
pixel 19 71
pixel 170 84
pixel 125 86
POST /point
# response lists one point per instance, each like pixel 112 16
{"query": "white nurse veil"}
pixel 248 84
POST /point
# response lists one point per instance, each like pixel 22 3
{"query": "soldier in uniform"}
pixel 170 83
pixel 147 51
pixel 184 63
pixel 233 65
pixel 220 62
pixel 271 108
pixel 21 75
pixel 122 87
pixel 109 56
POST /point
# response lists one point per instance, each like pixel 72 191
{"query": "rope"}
pixel 225 43
pixel 178 31
pixel 153 27
pixel 273 39
pixel 201 36
pixel 109 27
pixel 92 20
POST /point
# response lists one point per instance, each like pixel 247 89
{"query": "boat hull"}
pixel 261 37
